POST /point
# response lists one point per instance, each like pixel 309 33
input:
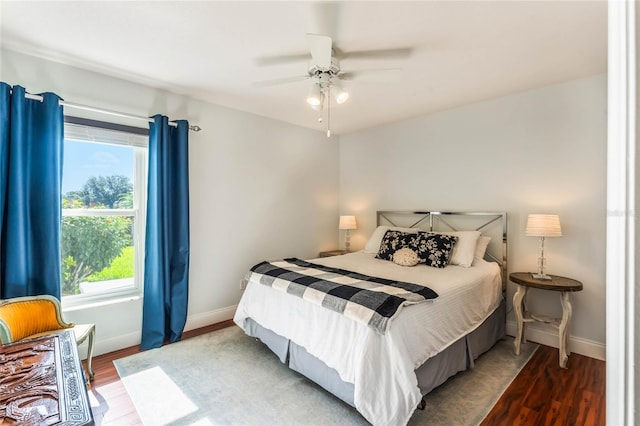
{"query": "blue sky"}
pixel 83 160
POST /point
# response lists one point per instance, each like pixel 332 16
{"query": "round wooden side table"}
pixel 524 281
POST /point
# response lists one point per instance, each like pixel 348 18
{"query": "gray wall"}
pixel 541 151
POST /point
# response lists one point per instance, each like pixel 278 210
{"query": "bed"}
pixel 385 370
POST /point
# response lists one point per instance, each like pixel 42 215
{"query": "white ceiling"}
pixel 461 52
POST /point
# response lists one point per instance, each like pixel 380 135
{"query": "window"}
pixel 104 194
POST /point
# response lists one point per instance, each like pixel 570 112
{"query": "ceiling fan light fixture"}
pixel 318 107
pixel 315 96
pixel 340 94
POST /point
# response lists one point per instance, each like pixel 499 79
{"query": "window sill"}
pixel 78 306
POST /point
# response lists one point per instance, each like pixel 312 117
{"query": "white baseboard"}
pixel 549 336
pixel 103 346
pixel 211 317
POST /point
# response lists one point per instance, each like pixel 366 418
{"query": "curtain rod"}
pixel 195 127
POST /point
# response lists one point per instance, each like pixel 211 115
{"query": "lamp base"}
pixel 541 277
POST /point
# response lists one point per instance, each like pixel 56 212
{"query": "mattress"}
pixel 381 366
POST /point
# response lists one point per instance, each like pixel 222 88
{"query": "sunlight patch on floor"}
pixel 93 401
pixel 203 422
pixel 158 400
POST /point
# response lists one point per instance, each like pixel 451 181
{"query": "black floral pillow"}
pixel 394 241
pixel 435 249
pixel 432 249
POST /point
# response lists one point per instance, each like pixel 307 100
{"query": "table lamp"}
pixel 347 223
pixel 543 225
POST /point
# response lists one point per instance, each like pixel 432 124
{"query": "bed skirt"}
pixel 459 356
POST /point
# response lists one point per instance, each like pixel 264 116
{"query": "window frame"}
pixel 99 132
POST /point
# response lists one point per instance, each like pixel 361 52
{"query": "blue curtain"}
pixel 31 143
pixel 166 266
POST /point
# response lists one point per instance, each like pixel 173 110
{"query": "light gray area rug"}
pixel 228 378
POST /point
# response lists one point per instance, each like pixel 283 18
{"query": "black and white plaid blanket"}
pixel 370 300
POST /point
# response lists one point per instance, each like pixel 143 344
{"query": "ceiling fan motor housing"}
pixel 333 69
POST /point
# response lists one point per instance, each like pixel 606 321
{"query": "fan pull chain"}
pixel 329 112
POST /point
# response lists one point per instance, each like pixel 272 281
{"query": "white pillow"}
pixel 465 248
pixel 481 246
pixel 373 245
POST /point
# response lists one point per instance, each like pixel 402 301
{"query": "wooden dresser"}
pixel 42 382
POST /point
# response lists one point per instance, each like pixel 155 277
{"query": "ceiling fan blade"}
pixel 327 16
pixel 277 81
pixel 395 53
pixel 282 59
pixel 378 75
pixel 320 47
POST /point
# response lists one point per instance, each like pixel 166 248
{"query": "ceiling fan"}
pixel 324 69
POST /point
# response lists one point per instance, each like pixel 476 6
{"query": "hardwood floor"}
pixel 542 394
pixel 545 394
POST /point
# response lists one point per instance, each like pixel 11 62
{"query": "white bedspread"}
pixel 381 367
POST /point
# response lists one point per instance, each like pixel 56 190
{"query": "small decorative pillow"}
pixel 435 249
pixel 406 257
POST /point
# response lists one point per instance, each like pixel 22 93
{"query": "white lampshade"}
pixel 543 225
pixel 347 222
